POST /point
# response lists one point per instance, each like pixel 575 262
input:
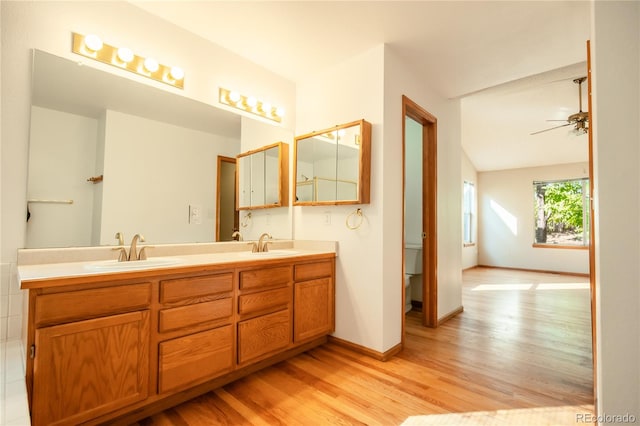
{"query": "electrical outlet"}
pixel 195 214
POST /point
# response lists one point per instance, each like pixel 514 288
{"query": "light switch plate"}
pixel 195 214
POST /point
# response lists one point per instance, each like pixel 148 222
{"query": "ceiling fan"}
pixel 580 119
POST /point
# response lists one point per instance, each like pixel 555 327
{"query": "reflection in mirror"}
pixel 333 166
pixel 263 177
pixel 156 150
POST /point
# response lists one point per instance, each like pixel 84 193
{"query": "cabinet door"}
pixel 88 368
pixel 312 309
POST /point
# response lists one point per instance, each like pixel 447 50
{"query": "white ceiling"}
pixel 461 47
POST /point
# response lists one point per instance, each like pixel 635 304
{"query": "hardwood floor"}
pixel 523 341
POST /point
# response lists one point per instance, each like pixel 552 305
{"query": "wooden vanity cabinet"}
pixel 82 369
pixel 115 348
pixel 313 295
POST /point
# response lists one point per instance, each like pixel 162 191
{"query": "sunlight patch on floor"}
pixel 523 287
pixel 563 286
pixel 543 416
pixel 501 287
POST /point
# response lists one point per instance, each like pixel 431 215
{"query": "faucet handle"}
pixel 143 253
pixel 254 247
pixel 122 255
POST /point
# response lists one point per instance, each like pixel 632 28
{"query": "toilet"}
pixel 412 266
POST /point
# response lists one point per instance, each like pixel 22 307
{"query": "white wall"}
pixel 152 167
pixel 61 159
pixel 369 271
pixel 506 220
pixel 400 80
pixel 469 174
pixel 347 92
pixel 413 183
pixel 616 133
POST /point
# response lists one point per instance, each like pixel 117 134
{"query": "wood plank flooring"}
pixel 523 341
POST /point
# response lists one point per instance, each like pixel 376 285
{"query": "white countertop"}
pixel 64 269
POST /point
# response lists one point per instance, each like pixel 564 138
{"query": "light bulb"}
pixel 125 54
pixel 252 101
pixel 280 112
pixel 234 97
pixel 176 73
pixel 266 107
pixel 93 42
pixel 151 65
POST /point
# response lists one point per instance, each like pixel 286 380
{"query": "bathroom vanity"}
pixel 118 345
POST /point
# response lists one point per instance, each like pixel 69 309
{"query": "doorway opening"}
pixel 227 218
pixel 419 134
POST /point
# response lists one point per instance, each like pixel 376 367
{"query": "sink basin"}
pixel 114 265
pixel 272 253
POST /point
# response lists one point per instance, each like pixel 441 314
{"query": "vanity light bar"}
pixel 250 104
pixel 91 46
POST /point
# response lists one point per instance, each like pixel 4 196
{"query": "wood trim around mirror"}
pixel 363 192
pixel 283 174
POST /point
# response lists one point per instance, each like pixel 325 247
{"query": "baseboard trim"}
pixel 450 315
pixel 380 356
pixel 574 274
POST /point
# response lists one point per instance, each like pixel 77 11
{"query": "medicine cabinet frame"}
pixel 260 183
pixel 307 189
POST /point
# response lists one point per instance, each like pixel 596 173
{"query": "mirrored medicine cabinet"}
pixel 333 166
pixel 262 177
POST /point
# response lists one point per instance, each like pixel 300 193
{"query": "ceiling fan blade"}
pixel 551 128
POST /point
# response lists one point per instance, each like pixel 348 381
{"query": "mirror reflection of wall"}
pixel 328 165
pixel 157 151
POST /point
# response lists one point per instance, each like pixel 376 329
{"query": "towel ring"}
pixel 246 220
pixel 357 212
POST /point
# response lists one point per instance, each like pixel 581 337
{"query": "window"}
pixel 561 212
pixel 467 212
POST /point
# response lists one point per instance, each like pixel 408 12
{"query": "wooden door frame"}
pixel 592 237
pixel 236 220
pixel 429 209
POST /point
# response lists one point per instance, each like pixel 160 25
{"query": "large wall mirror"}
pixel 152 155
pixel 333 166
pixel 262 177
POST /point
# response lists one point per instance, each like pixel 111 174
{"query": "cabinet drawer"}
pixel 198 313
pixel 264 300
pixel 75 305
pixel 266 277
pixel 195 358
pixel 196 287
pixel 310 271
pixel 264 334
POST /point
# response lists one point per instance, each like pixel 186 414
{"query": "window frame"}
pixel 586 215
pixel 468 213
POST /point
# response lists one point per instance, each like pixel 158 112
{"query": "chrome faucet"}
pixel 262 243
pixel 133 250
